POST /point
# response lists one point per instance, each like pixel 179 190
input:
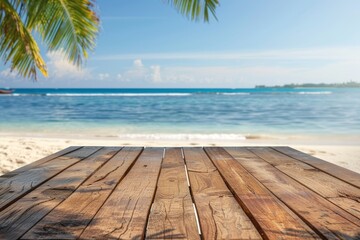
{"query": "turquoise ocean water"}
pixel 113 112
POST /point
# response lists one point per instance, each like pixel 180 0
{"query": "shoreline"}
pixel 17 150
pixel 196 137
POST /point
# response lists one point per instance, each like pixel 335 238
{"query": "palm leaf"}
pixel 16 42
pixel 62 24
pixel 65 24
pixel 196 9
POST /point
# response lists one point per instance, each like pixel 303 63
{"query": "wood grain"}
pixel 239 193
pixel 332 169
pixel 271 218
pixel 220 216
pixel 69 218
pixel 337 191
pixel 172 214
pixel 327 219
pixel 27 211
pixel 17 186
pixel 124 214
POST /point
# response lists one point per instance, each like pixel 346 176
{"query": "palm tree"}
pixel 70 25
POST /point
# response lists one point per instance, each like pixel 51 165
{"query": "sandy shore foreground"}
pixel 18 151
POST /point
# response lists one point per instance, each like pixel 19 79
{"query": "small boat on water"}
pixel 6 91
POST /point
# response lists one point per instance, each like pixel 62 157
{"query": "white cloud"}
pixel 206 75
pixel 60 68
pixel 343 67
pixel 138 63
pixel 270 67
pixel 155 73
pixel 103 76
pixel 139 72
pixel 220 76
pixel 7 73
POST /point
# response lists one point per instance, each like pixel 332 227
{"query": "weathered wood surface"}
pixel 124 214
pixel 332 169
pixel 333 189
pixel 161 193
pixel 221 217
pixel 23 214
pixel 172 214
pixel 70 217
pixel 273 220
pixel 17 186
pixel 326 218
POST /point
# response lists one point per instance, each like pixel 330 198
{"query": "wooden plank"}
pixel 268 215
pixel 220 215
pixel 172 214
pixel 27 211
pixel 17 186
pixel 325 218
pixel 332 169
pixel 39 162
pixel 69 218
pixel 338 192
pixel 124 214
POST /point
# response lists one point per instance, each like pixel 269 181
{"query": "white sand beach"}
pixel 16 151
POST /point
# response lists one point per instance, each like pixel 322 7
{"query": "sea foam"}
pixel 315 93
pixel 183 136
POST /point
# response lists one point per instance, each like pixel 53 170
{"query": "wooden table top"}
pixel 180 193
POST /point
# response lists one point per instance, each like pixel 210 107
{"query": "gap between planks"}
pixel 188 186
pixel 191 194
pixel 220 215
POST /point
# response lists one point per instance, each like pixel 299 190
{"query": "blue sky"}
pixel 146 43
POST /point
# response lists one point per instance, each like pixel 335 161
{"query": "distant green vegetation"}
pixel 350 84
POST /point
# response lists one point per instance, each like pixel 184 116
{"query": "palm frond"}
pixel 196 9
pixel 62 24
pixel 65 24
pixel 17 45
